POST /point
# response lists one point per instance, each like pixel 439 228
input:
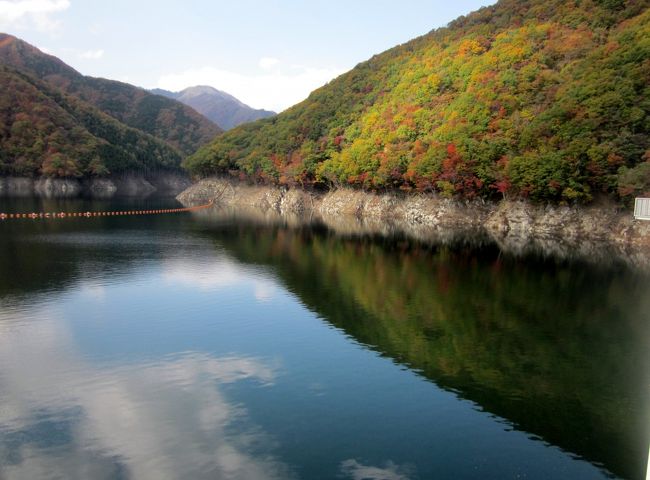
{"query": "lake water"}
pixel 189 347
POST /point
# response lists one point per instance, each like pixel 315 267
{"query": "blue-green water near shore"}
pixel 185 346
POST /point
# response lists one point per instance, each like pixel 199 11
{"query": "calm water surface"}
pixel 179 346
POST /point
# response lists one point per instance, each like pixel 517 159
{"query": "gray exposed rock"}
pixel 16 187
pixel 133 186
pixel 101 188
pixel 593 233
pixel 128 185
pixel 57 187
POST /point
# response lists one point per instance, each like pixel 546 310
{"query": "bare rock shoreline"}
pixel 126 185
pixel 599 232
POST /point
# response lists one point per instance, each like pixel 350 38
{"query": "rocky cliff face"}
pixel 128 185
pixel 602 232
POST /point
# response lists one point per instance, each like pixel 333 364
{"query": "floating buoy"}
pixel 56 215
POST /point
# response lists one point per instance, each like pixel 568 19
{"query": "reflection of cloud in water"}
pixel 95 292
pixel 357 471
pixel 64 418
pixel 264 292
pixel 215 274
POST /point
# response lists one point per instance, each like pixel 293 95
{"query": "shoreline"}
pixel 120 185
pixel 594 232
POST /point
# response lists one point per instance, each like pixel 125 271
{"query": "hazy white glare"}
pixel 92 54
pixel 268 62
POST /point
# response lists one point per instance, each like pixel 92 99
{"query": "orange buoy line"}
pixel 57 215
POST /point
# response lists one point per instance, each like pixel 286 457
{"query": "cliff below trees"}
pixel 603 232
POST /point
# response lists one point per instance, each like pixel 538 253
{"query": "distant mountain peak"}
pixel 192 92
pixel 203 90
pixel 220 107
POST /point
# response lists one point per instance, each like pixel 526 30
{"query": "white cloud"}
pixel 275 90
pixel 268 62
pixel 27 13
pixel 357 471
pixel 92 54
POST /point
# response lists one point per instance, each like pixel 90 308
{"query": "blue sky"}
pixel 270 54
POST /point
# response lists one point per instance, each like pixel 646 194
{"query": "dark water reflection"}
pixel 194 347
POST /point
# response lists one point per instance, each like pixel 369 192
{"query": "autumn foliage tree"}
pixel 547 100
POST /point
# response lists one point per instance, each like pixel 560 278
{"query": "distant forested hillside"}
pixel 541 99
pixel 46 132
pixel 56 122
pixel 171 121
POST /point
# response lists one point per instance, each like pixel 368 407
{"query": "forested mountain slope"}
pixel 542 99
pixel 46 132
pixel 173 122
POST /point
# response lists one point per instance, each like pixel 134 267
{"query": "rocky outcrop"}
pixel 592 232
pixel 133 186
pixel 16 187
pixel 127 185
pixel 57 188
pixel 101 188
pixel 598 232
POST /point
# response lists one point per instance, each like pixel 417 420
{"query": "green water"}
pixel 185 346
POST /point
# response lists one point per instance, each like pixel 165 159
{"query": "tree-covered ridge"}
pixel 173 122
pixel 46 132
pixel 548 100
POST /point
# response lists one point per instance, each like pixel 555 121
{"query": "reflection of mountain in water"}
pixel 51 255
pixel 557 348
pixel 560 350
pixel 263 208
